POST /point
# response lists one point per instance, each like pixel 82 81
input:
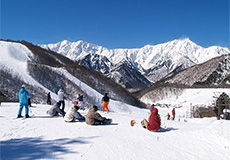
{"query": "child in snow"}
pixel 105 100
pixel 94 118
pixel 55 110
pixel 152 107
pixel 73 114
pixel 168 116
pixel 23 99
pixel 154 121
pixel 80 101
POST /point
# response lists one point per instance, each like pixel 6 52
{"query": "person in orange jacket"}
pixel 105 100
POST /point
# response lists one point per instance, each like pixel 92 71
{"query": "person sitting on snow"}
pixel 55 110
pixel 73 114
pixel 154 121
pixel 94 118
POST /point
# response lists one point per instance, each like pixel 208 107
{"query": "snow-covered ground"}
pixel 43 137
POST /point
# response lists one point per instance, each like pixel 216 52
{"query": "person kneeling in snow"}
pixel 94 118
pixel 55 110
pixel 73 114
pixel 154 121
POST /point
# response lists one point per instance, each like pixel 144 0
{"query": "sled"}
pixel 132 122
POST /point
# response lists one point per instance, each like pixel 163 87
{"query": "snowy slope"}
pixel 42 137
pixel 193 96
pixel 215 71
pixel 14 58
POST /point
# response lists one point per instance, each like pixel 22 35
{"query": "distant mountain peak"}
pixel 160 59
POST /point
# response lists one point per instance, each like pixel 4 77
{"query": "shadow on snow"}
pixel 167 129
pixel 37 148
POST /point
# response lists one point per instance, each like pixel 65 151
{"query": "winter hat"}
pixel 76 105
pixel 95 108
pixel 23 86
pixel 155 110
pixel 152 107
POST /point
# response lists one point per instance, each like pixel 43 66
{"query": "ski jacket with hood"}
pixel 23 96
pixel 92 115
pixel 71 114
pixel 154 122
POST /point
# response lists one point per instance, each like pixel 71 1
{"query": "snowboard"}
pixel 108 121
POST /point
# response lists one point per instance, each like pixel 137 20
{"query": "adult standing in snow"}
pixel 23 99
pixel 105 100
pixel 73 114
pixel 48 99
pixel 94 118
pixel 29 102
pixel 154 121
pixel 61 98
pixel 55 110
pixel 173 114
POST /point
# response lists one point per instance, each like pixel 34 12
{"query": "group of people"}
pixel 173 115
pixel 92 117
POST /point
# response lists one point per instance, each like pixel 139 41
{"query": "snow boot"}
pixel 27 116
pixel 19 116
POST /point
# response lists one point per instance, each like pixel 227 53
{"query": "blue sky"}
pixel 116 23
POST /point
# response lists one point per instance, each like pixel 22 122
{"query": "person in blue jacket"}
pixel 23 99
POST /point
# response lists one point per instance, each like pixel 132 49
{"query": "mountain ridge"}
pixel 154 62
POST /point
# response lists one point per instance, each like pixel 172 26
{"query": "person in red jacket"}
pixel 173 114
pixel 154 123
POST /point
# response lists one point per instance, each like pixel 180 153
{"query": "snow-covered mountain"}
pixel 126 74
pixel 214 73
pixel 44 71
pixel 97 62
pixel 153 61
